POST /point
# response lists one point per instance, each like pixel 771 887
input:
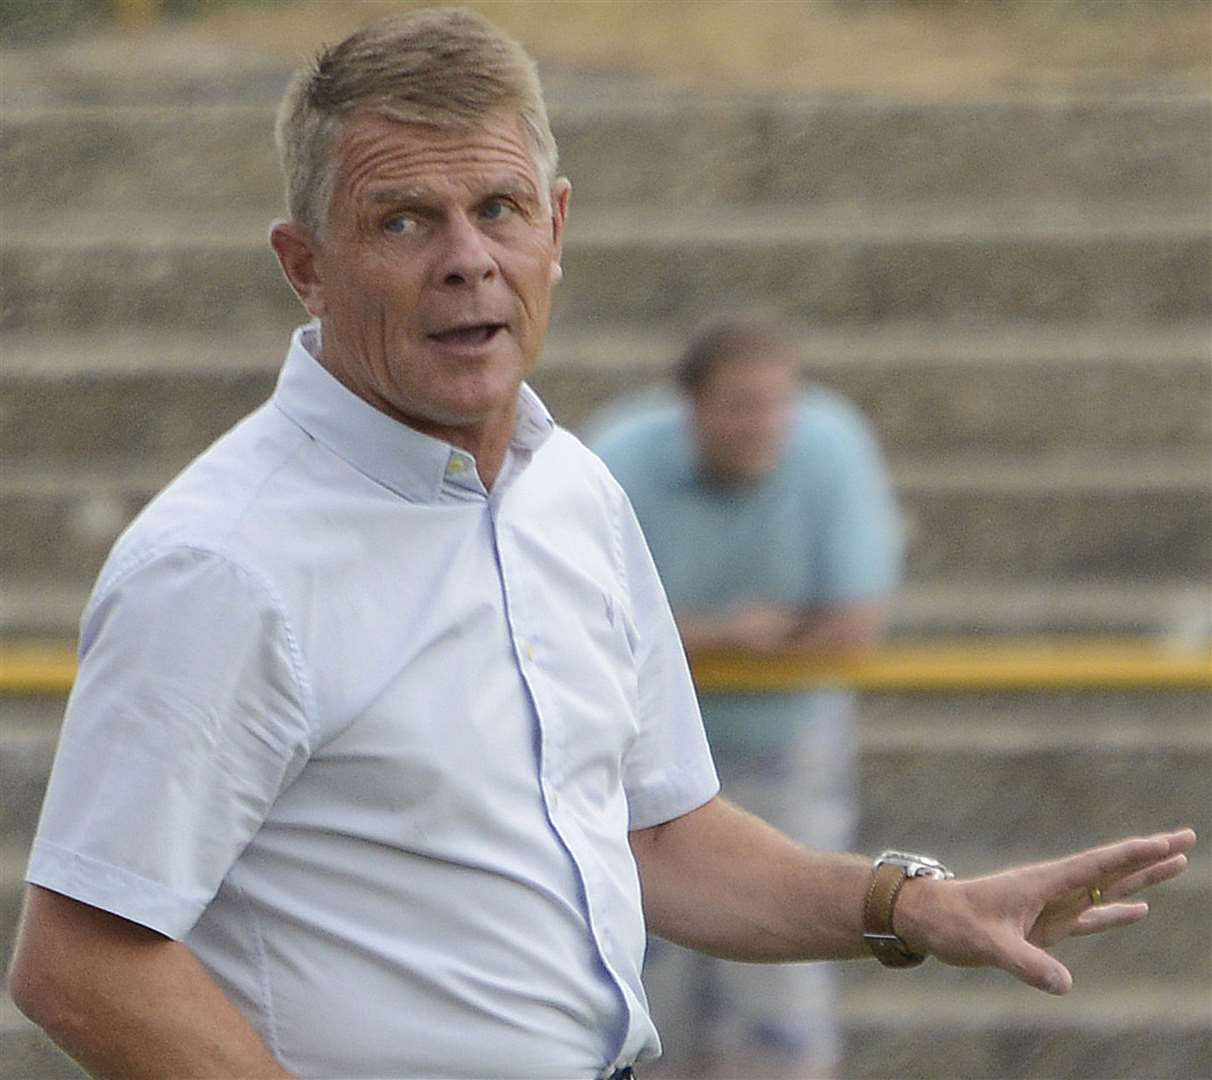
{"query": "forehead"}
pixel 767 368
pixel 375 151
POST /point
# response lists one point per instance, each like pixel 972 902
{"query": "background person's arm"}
pixel 126 1002
pixel 724 882
pixel 771 629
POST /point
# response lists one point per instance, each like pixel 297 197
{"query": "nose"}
pixel 464 258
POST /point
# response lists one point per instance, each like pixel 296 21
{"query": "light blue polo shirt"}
pixel 369 739
pixel 822 528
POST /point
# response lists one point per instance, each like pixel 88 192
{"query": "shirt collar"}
pixel 415 466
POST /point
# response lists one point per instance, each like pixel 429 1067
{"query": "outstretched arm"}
pixel 722 881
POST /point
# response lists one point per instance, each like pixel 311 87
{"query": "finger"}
pixel 1113 861
pixel 1035 967
pixel 1143 879
pixel 1108 917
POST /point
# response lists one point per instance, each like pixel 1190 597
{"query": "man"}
pixel 772 524
pixel 381 718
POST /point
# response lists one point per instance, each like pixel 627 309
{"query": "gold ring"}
pixel 1096 895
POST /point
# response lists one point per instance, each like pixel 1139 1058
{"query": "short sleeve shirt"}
pixel 369 739
pixel 821 529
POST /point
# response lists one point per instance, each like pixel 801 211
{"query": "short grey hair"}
pixel 446 67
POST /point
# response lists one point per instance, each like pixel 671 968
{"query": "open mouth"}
pixel 470 336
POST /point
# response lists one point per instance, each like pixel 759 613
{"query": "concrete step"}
pixel 1047 518
pixel 967 605
pixel 1031 518
pixel 1124 1032
pixel 665 149
pixel 834 266
pixel 165 396
pixel 170 66
pixel 173 66
pixel 934 787
pixel 1172 609
pixel 890 718
pixel 899 1029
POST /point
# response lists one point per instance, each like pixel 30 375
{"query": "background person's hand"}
pixel 760 628
pixel 1009 919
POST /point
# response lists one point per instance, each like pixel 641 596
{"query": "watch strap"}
pixel 886 883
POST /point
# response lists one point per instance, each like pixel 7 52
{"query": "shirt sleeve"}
pixel 858 550
pixel 668 771
pixel 186 719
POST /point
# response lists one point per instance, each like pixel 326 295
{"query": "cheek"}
pixel 533 277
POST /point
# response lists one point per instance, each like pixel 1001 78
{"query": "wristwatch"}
pixel 888 873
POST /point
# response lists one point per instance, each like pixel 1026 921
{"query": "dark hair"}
pixel 731 338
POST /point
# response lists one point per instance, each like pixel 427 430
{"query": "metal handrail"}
pixel 957 666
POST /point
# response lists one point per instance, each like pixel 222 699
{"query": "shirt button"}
pixel 456 467
pixel 528 649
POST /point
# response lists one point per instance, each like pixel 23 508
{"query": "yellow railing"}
pixel 973 665
pixel 932 667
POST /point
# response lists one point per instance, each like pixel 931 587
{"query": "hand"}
pixel 760 628
pixel 1009 919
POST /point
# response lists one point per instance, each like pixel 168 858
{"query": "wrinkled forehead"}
pixel 372 149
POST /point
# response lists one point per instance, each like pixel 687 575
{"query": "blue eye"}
pixel 496 210
pixel 398 224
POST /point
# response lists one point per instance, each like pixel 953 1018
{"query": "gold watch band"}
pixel 885 945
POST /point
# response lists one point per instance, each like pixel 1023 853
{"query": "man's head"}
pixel 741 378
pixel 426 227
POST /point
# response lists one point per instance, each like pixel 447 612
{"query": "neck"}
pixel 486 439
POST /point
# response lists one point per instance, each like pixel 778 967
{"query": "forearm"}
pixel 773 629
pixel 127 1003
pixel 852 629
pixel 705 632
pixel 723 882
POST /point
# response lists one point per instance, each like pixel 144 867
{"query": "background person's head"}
pixel 741 376
pixel 445 67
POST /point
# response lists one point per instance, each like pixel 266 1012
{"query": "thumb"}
pixel 1036 967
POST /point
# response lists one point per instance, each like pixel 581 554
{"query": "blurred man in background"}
pixel 772 522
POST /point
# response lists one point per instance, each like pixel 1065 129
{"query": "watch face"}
pixel 916 865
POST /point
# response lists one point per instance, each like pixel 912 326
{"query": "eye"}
pixel 399 224
pixel 497 209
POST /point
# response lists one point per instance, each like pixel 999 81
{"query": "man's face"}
pixel 741 416
pixel 436 270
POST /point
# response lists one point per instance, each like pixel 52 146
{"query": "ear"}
pixel 561 191
pixel 297 255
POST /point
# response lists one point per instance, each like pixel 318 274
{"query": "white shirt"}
pixel 369 739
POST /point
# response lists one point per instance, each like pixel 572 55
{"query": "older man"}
pixel 382 718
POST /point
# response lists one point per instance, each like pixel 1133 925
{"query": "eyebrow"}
pixel 397 195
pixel 420 197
